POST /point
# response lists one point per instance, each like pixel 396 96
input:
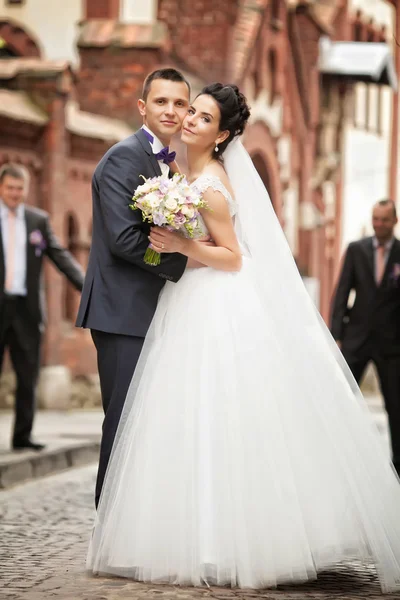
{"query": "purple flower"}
pixel 163 187
pixel 179 219
pixel 159 219
pixel 36 239
pixel 396 270
pixel 394 276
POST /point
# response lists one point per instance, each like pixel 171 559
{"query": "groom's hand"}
pixel 194 264
pixel 207 241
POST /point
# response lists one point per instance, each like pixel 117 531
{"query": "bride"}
pixel 245 454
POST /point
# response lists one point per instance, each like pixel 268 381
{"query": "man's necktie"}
pixel 380 264
pixel 10 265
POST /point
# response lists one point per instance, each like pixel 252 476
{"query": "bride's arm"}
pixel 225 255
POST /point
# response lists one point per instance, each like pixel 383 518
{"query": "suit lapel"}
pixel 149 151
pixel 31 225
pixel 2 264
pixel 369 253
pixel 155 165
pixel 394 252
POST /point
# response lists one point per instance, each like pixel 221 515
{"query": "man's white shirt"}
pixel 157 146
pixel 20 258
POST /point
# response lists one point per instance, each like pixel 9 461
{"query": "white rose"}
pixel 145 188
pixel 153 200
pixel 188 211
pixel 171 204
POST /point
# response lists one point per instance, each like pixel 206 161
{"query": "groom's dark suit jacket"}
pixel 375 316
pixel 120 292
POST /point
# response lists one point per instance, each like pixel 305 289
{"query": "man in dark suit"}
pixel 370 329
pixel 121 291
pixel 25 238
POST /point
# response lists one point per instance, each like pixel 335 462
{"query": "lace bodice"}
pixel 205 181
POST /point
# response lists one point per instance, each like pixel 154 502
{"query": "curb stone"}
pixel 47 462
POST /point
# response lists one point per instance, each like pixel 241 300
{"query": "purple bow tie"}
pixel 165 155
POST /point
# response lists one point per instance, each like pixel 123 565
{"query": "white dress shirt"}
pixel 157 146
pixel 19 281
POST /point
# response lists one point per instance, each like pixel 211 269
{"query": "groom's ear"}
pixel 142 107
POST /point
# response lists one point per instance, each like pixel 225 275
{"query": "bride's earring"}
pixel 216 148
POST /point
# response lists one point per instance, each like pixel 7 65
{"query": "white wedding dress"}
pixel 245 454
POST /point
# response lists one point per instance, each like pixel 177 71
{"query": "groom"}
pixel 120 293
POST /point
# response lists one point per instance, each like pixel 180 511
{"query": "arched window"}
pixel 70 295
pixel 358 28
pixel 5 51
pixel 275 10
pixel 358 32
pixel 371 33
pixel 256 78
pixel 259 163
pixel 273 73
pixel 16 42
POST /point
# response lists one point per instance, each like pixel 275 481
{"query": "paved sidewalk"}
pixel 71 438
pixel 45 530
pixel 45 527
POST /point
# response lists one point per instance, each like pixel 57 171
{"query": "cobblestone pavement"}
pixel 44 531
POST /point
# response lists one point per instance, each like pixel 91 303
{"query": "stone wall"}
pixel 56 390
pixel 114 60
pixel 110 80
pixel 200 34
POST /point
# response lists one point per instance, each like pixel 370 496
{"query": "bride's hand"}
pixel 164 241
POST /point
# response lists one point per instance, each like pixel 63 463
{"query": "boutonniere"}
pixel 394 275
pixel 36 239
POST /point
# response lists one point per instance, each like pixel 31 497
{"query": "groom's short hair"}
pixel 168 74
pixel 388 202
pixel 14 170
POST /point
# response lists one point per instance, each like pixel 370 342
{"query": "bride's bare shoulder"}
pixel 217 170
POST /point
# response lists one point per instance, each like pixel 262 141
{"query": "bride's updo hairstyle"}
pixel 234 111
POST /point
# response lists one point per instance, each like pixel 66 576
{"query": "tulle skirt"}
pixel 245 455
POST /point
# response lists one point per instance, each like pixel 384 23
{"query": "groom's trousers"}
pixel 388 370
pixel 117 357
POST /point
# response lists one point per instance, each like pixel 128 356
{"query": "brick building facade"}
pixel 58 117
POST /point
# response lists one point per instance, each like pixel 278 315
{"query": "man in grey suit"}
pixel 26 238
pixel 121 291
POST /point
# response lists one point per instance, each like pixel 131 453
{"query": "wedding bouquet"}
pixel 169 203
